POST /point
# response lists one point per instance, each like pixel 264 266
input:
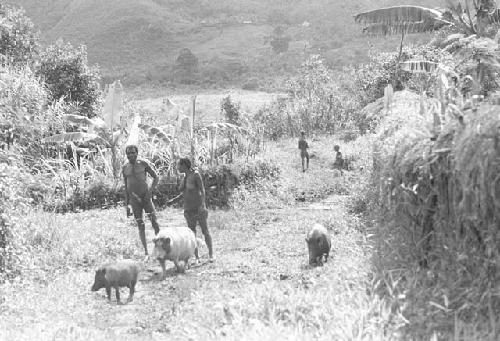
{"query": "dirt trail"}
pixel 271 252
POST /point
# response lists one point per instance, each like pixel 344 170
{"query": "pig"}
pixel 319 244
pixel 122 273
pixel 176 244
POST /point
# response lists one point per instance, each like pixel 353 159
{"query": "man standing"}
pixel 195 210
pixel 303 146
pixel 137 192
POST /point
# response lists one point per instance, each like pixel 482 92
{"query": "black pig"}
pixel 123 273
pixel 318 243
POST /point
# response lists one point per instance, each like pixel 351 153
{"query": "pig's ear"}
pixel 307 240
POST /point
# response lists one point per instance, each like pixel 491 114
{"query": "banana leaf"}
pixel 156 132
pixel 113 105
pixel 74 137
pixel 401 19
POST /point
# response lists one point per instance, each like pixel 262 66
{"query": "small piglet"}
pixel 122 273
pixel 318 243
pixel 176 244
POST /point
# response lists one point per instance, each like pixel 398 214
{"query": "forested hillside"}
pixel 250 43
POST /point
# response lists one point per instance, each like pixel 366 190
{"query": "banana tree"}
pixel 106 133
pixel 401 20
pixel 217 128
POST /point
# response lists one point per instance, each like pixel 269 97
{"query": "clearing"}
pixel 260 287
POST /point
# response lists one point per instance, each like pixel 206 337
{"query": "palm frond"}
pixel 397 19
pixel 226 127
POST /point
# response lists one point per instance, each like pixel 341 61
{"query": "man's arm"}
pixel 126 190
pixel 176 198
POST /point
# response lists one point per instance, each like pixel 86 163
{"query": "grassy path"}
pixel 259 287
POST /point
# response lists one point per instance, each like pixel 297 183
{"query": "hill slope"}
pixel 139 40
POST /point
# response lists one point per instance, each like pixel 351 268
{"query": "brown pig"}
pixel 319 243
pixel 122 273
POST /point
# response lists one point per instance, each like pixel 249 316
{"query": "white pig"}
pixel 176 244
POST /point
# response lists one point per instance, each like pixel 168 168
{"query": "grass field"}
pixel 208 104
pixel 260 287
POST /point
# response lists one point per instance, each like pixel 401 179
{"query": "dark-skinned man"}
pixel 138 194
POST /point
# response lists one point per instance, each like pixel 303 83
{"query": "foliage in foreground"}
pixel 438 240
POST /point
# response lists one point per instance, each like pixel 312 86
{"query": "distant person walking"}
pixel 339 160
pixel 195 211
pixel 137 192
pixel 304 155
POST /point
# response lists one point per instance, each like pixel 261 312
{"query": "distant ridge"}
pixel 139 40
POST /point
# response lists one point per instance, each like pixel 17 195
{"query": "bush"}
pixel 68 76
pixel 12 181
pixel 231 110
pixel 18 39
pixel 220 181
pixel 275 120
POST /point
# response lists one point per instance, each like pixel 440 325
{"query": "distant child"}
pixel 339 161
pixel 303 146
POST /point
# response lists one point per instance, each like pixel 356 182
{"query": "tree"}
pixel 18 39
pixel 279 40
pixel 68 76
pixel 186 66
pixel 472 28
pixel 231 110
pixel 311 93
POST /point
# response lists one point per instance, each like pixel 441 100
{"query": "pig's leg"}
pixel 108 292
pixel 131 292
pixel 163 269
pixel 186 262
pixel 176 263
pixel 117 290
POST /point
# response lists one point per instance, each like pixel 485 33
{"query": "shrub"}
pixel 68 76
pixel 275 120
pixel 14 201
pixel 18 39
pixel 231 110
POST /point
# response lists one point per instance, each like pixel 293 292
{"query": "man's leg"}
pixel 149 208
pixel 142 234
pixel 137 208
pixel 307 157
pixel 202 218
pixel 191 223
pixel 302 157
